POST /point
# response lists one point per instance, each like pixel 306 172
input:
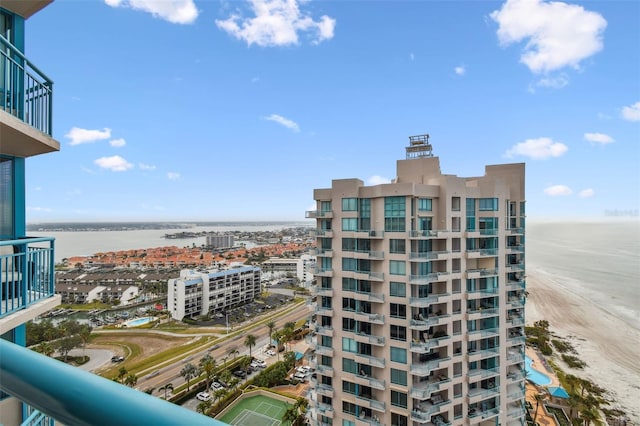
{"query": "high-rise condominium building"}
pixel 420 297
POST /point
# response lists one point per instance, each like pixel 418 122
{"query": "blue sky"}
pixel 237 110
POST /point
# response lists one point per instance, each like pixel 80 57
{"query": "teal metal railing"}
pixel 75 397
pixel 25 91
pixel 26 273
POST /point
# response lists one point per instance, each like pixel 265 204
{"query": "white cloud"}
pixel 557 190
pixel 412 56
pixel 146 167
pixel 377 180
pixel 174 11
pixel 598 138
pixel 538 149
pixel 290 124
pixel 277 23
pixel 586 193
pixel 39 209
pixel 173 175
pixel 631 112
pixel 558 34
pixel 79 136
pixel 115 163
pixel 554 82
pixel 117 143
pixel 460 70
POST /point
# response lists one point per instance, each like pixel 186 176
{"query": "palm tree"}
pixel 290 416
pixel 234 352
pixel 540 397
pixel 165 388
pixel 85 335
pixel 219 394
pixel 250 341
pixel 589 415
pixel 271 325
pixel 208 366
pixel 189 371
pixel 122 373
pixel 45 348
pixel 203 407
pixel 131 380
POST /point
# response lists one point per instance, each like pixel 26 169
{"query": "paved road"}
pixel 97 358
pixel 171 373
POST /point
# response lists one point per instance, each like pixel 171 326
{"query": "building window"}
pixel 364 215
pixel 488 204
pixel 346 422
pixel 349 345
pixel 397 246
pixel 348 244
pixel 397 289
pixel 397 267
pixel 398 310
pixel 399 420
pixel 455 204
pixel 399 399
pixel 349 264
pixel 398 355
pixel 349 366
pixel 349 387
pixel 349 408
pixel 349 224
pixel 399 332
pixel 325 206
pixel 399 377
pixel 394 214
pixel 349 204
pixel 424 204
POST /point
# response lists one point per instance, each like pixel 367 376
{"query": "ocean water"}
pixel 599 260
pixel 86 243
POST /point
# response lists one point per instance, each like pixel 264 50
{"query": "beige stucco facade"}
pixel 419 310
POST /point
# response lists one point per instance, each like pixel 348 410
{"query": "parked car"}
pixel 216 386
pixel 270 352
pixel 203 396
pixel 300 376
pixel 240 373
pixel 117 359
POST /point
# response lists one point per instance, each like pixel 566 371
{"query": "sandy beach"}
pixel 609 346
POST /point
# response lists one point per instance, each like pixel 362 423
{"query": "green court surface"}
pixel 257 410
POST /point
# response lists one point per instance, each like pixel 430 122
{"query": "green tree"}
pixel 167 387
pixel 122 373
pixel 66 344
pixel 85 334
pixel 271 325
pixel 250 341
pixel 290 415
pixel 539 397
pixel 131 380
pixel 45 348
pixel 234 352
pixel 189 372
pixel 204 407
pixel 208 366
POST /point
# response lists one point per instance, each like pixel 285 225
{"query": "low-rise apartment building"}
pixel 198 292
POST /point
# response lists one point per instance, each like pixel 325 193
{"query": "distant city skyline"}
pixel 234 111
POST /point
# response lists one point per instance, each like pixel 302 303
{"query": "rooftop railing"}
pixel 26 273
pixel 25 91
pixel 75 397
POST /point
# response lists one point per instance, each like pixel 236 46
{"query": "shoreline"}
pixel 608 344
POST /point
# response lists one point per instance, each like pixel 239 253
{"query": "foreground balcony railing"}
pixel 75 397
pixel 26 273
pixel 25 92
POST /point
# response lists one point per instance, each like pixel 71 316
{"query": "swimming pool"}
pixel 138 322
pixel 534 375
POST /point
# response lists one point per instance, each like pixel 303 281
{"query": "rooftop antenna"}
pixel 419 147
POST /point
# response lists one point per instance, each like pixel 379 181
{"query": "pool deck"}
pixel 531 390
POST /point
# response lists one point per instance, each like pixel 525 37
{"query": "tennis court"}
pixel 257 410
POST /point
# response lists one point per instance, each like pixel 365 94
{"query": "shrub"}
pixel 574 361
pixel 562 346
